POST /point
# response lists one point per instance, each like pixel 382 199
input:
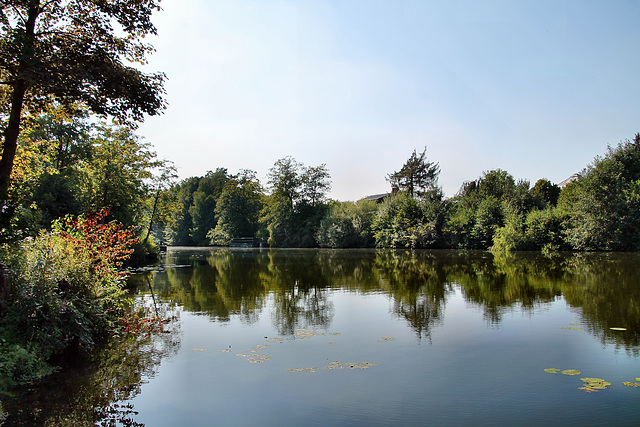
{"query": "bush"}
pixel 67 291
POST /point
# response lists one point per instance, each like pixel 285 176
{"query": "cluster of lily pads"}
pixel 336 365
pixel 253 356
pixel 591 384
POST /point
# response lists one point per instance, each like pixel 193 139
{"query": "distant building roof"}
pixel 378 198
pixel 569 180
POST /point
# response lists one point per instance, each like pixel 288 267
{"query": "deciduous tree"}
pixel 70 53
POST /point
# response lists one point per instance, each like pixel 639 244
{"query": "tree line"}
pixel 596 211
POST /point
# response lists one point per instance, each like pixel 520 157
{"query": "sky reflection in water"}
pixel 472 335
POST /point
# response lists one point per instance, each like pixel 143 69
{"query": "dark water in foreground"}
pixel 351 338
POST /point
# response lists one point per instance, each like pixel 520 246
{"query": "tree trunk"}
pixel 12 130
pixel 153 214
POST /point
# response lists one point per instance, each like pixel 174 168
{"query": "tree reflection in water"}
pixel 102 385
pixel 225 283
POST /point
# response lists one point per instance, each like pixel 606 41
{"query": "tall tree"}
pixel 417 176
pixel 71 53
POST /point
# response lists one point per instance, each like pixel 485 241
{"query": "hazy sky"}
pixel 537 88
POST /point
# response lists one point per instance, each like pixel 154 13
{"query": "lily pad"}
pixel 631 384
pixel 595 383
pixel 387 339
pixel 574 324
pixel 275 339
pixel 334 365
pixel 570 372
pixel 225 351
pixel 552 370
pixel 260 346
pixel 618 329
pixel 198 349
pixel 260 359
pixel 365 365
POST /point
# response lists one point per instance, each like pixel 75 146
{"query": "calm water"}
pixel 424 338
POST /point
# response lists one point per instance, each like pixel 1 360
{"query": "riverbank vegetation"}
pixel 81 195
pixel 596 210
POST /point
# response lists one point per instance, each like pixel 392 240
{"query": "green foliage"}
pixel 118 172
pixel 202 209
pixel 180 229
pixel 417 176
pixel 603 206
pixel 403 221
pixel 73 54
pixel 238 209
pixel 66 291
pixel 294 209
pixel 545 194
pixel 348 225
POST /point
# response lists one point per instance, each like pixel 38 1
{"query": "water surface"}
pixel 342 338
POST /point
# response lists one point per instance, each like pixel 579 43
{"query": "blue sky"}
pixel 537 88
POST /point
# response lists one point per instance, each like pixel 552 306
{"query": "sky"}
pixel 536 88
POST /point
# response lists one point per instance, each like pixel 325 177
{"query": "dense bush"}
pixel 348 225
pixel 66 293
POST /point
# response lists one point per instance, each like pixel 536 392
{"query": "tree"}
pixel 163 201
pixel 284 179
pixel 70 54
pixel 238 208
pixel 118 173
pixel 604 204
pixel 315 184
pixel 348 225
pixel 203 208
pixel 294 209
pixel 416 176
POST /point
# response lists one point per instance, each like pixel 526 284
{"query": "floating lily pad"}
pixel 574 324
pixel 552 370
pixel 225 351
pixel 595 383
pixel 260 346
pixel 572 328
pixel 332 342
pixel 570 372
pixel 618 329
pixel 198 349
pixel 334 365
pixel 365 365
pixel 260 359
pixel 304 334
pixel 245 355
pixel 387 339
pixel 631 384
pixel 335 333
pixel 275 339
pixel 637 379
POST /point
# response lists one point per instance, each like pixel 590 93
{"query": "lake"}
pixel 369 338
